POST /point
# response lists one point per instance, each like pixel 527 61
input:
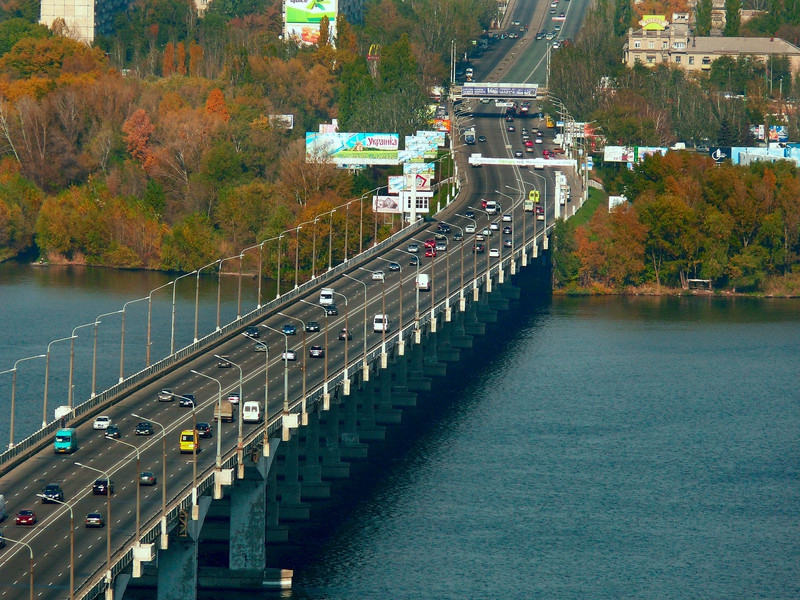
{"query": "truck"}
pixel 228 412
pixel 469 136
pixel 66 441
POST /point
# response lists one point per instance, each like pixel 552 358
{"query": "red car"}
pixel 484 201
pixel 545 153
pixel 25 517
pixel 431 243
pixel 430 253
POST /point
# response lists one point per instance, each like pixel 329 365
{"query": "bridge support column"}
pixel 177 566
pixel 276 533
pixel 247 550
pixel 312 485
pixel 291 506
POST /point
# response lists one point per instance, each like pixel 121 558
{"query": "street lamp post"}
pixel 97 322
pixel 122 340
pixel 138 488
pixel 285 377
pixel 544 206
pixel 524 227
pixel 197 297
pixel 108 518
pixel 461 300
pixel 71 542
pixel 30 568
pixel 149 314
pixel 172 325
pixel 239 439
pixel 219 285
pixel 433 284
pixel 218 463
pixel 265 448
pixel 417 334
pixel 14 393
pixel 72 360
pixel 384 357
pixel 474 260
pixel 47 378
pixel 164 533
pixel 303 413
pixel 400 342
pixel 488 251
pixel 364 365
pixel 326 397
pixel 330 240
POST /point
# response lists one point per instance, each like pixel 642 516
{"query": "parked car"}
pixel 345 334
pixel 103 487
pixel 144 428
pixel 316 352
pixel 289 355
pixel 204 430
pixel 147 478
pixel 113 431
pixel 25 517
pixel 186 400
pixel 312 326
pixel 289 329
pixel 101 422
pixel 52 493
pixel 94 519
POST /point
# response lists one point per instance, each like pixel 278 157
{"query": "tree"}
pixel 168 62
pixel 180 59
pixel 623 17
pixel 733 18
pixel 702 12
pixel 138 130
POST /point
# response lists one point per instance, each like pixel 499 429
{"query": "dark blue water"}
pixel 606 448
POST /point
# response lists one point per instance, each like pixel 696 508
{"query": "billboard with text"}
pixel 301 19
pixel 354 148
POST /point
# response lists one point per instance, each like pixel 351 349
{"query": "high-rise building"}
pixel 84 19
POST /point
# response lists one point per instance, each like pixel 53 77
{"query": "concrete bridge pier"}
pixel 311 461
pixel 350 444
pixel 416 379
pixel 248 520
pixel 291 506
pixel 177 566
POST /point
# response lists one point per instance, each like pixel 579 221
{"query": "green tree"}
pixel 623 17
pixel 733 18
pixel 14 30
pixel 702 12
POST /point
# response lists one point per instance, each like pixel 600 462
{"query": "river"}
pixel 597 448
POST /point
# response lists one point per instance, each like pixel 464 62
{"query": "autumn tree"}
pixel 195 59
pixel 138 129
pixel 180 59
pixel 168 62
pixel 215 105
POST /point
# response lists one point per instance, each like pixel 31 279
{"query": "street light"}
pixel 164 533
pixel 108 518
pixel 461 301
pixel 278 288
pixel 195 509
pixel 149 314
pixel 417 334
pixel 47 378
pixel 138 487
pixel 303 414
pixel 97 322
pixel 218 463
pixel 71 542
pixel 400 343
pixel 326 397
pixel 524 227
pixel 346 342
pixel 330 240
pixel 172 326
pixel 384 359
pixel 285 376
pixel 14 390
pixel 72 360
pixel 239 440
pixel 219 285
pixel 433 283
pixel 197 297
pixel 265 449
pixel 474 259
pixel 488 250
pixel 122 341
pixel 544 206
pixel 365 367
pixel 30 568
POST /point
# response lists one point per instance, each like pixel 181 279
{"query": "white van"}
pixel 492 207
pixel 380 323
pixel 423 282
pixel 251 412
pixel 326 297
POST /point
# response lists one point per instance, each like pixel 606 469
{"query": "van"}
pixel 251 412
pixel 190 440
pixel 66 441
pixel 380 323
pixel 423 282
pixel 326 297
pixel 492 207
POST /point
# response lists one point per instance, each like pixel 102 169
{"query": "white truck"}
pixel 251 412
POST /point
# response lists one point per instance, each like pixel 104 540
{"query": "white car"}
pixel 494 253
pixel 469 229
pixel 101 422
pixel 538 140
pixel 507 218
pixel 289 355
pixel 378 275
pixel 494 226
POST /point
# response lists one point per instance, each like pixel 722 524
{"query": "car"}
pixel 494 253
pixel 507 218
pixel 470 214
pixel 430 253
pixel 186 400
pixel 481 138
pixel 478 248
pixel 331 310
pixel 702 148
pixel 147 478
pixel 414 248
pixel 441 247
pixel 2 541
pixel 289 329
pixel 556 27
pixel 458 236
pixel 52 493
pixel 233 398
pixel 494 226
pixel 480 237
pixel 548 36
pixel 394 266
pixel 539 140
pixel 515 23
pixel 430 243
pixel 289 355
pixel 552 11
pixel 507 243
pixel 204 430
pixel 528 143
pixel 102 487
pixel 507 230
pixel 316 352
pixel 554 4
pixel 414 261
pixel 529 149
pixel 469 229
pixel 540 35
pixel 517 153
pixel 144 428
pixel 224 362
pixel 345 334
pixel 25 517
pixel 113 431
pixel 511 128
pixel 165 395
pixel 485 100
pixel 378 275
pixel 260 347
pixel 486 231
pixel 94 519
pixel 556 45
pixel 312 326
pixel 546 153
pixel 251 331
pixel 101 422
pixel 562 15
pixel 540 213
pixel 443 227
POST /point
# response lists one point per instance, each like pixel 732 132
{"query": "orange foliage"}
pixel 215 105
pixel 168 67
pixel 660 7
pixel 195 59
pixel 180 59
pixel 138 130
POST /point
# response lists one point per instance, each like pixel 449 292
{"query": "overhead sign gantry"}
pixel 497 90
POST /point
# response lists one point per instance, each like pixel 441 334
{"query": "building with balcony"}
pixel 660 41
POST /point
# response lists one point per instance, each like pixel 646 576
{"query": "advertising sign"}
pixel 419 167
pixel 386 204
pixel 502 90
pixel 301 19
pixel 757 131
pixel 778 133
pixel 719 153
pixel 281 121
pixel 618 154
pixel 354 148
pixel 439 136
pixel 643 152
pixel 405 183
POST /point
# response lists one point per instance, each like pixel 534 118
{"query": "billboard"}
pixel 405 183
pixel 354 148
pixel 281 121
pixel 504 90
pixel 778 133
pixel 618 154
pixel 301 19
pixel 386 204
pixel 643 152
